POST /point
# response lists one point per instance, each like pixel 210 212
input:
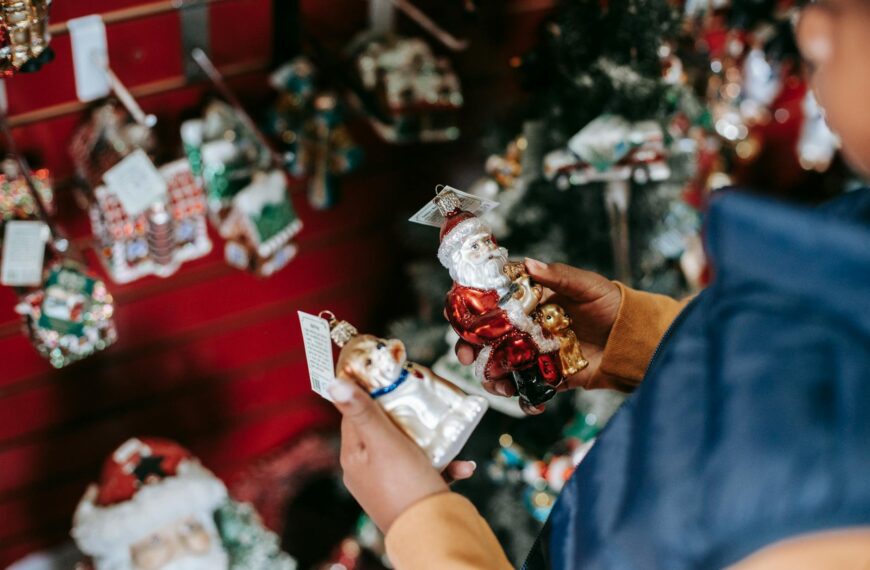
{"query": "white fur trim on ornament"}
pixel 480 363
pixel 453 240
pixel 100 531
pixel 525 323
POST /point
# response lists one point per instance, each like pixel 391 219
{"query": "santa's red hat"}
pixel 458 226
pixel 146 484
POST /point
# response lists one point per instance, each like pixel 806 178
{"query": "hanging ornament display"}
pixel 157 240
pixel 24 36
pixel 434 413
pixel 156 506
pixel 418 93
pixel 16 200
pixel 70 316
pixel 248 200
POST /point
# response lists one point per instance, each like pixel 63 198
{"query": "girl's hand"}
pixel 384 470
pixel 591 300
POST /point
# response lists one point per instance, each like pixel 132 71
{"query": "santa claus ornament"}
pixel 435 414
pixel 493 304
pixel 157 508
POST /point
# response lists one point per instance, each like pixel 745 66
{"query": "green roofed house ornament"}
pixel 260 225
pixel 70 316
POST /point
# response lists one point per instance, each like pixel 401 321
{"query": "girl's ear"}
pixel 814 31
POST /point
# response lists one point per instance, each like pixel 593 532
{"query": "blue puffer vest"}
pixel 753 422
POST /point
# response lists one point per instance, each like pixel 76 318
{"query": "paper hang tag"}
pixel 136 182
pixel 90 55
pixel 429 215
pixel 23 253
pixel 318 352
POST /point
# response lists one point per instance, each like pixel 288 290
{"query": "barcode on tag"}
pixel 136 182
pixel 430 216
pixel 318 352
pixel 23 253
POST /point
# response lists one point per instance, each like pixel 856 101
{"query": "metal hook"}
pixel 449 40
pixel 124 96
pixel 328 315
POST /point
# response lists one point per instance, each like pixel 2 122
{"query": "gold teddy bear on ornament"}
pixel 553 319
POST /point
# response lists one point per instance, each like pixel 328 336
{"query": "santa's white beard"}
pixel 487 274
pixel 215 559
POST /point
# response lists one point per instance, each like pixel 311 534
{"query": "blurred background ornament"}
pixel 24 36
pixel 417 91
pixel 71 316
pixel 16 199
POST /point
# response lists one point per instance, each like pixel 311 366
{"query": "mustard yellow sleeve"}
pixel 444 531
pixel 640 325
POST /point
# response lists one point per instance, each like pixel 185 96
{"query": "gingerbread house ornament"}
pixel 260 225
pixel 158 240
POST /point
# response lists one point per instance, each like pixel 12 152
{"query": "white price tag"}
pixel 136 182
pixel 23 253
pixel 318 352
pixel 90 55
pixel 430 216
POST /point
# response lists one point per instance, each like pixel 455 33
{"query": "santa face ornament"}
pixel 437 415
pixel 493 306
pixel 156 507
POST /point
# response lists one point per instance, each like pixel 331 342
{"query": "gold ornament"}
pixel 435 414
pixel 24 36
pixel 553 319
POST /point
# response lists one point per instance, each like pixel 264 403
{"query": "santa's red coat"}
pixel 477 318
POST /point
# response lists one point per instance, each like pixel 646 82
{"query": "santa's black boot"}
pixel 531 387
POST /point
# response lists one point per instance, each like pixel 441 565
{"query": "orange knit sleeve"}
pixel 641 322
pixel 444 531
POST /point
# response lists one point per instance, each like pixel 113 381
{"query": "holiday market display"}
pixel 434 413
pixel 635 114
pixel 418 92
pixel 24 36
pixel 155 507
pixel 309 126
pixel 70 316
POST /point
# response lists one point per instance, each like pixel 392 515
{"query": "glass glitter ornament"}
pixel 70 316
pixel 24 37
pixel 493 305
pixel 434 413
pixel 16 200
